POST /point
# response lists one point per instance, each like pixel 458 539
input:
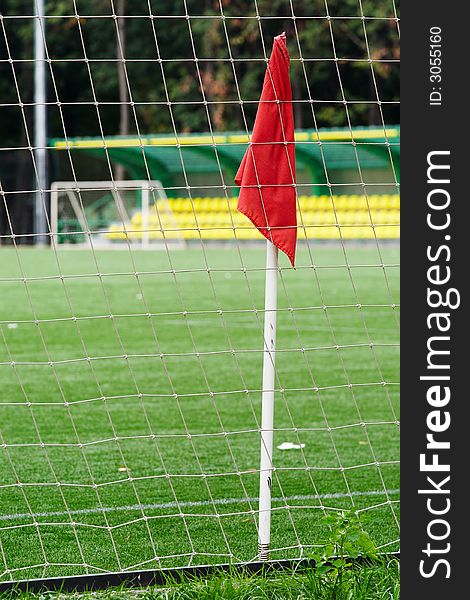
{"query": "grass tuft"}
pixel 378 580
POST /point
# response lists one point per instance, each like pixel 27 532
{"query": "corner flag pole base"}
pixel 263 552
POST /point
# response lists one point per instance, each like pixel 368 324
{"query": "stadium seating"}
pixel 320 217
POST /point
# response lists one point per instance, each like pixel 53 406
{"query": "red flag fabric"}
pixel 266 174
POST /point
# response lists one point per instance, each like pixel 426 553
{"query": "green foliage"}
pixel 347 541
pixel 217 80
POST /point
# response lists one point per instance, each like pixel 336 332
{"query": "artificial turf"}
pixel 130 402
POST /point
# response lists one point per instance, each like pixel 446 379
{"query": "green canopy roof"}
pixel 165 156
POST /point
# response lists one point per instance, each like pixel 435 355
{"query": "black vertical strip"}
pixel 429 128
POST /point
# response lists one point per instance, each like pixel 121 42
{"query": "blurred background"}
pixel 90 91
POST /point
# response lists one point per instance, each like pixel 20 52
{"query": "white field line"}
pixel 167 505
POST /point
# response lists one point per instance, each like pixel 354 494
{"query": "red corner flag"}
pixel 267 172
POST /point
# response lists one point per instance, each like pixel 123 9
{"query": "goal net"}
pixel 131 381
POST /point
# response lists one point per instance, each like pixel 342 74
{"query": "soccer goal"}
pixel 112 213
pixel 199 291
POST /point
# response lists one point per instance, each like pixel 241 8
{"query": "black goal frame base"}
pixel 162 577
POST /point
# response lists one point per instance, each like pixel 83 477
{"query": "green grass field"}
pixel 129 405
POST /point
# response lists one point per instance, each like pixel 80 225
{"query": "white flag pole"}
pixel 267 403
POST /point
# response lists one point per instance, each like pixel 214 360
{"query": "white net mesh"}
pixel 130 393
